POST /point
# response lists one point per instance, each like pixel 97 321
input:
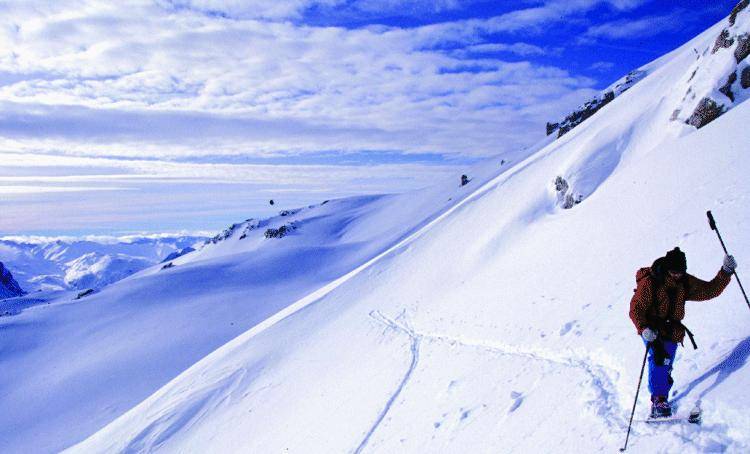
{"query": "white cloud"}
pixel 21 189
pixel 112 94
pixel 519 48
pixel 326 88
pixel 294 9
pixel 103 239
pixel 602 66
pixel 153 195
pixel 644 27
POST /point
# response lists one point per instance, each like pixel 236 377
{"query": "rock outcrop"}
pixel 227 233
pixel 723 41
pixel 721 65
pixel 9 288
pixel 281 232
pixel 726 89
pixel 594 105
pixel 736 10
pixel 706 112
pixel 565 197
pixel 743 48
pixel 178 254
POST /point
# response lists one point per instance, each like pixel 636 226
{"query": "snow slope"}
pixel 72 366
pixel 501 325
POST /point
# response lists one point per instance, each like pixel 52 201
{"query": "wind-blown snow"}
pixel 478 319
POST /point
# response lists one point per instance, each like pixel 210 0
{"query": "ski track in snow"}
pixel 415 341
pixel 607 406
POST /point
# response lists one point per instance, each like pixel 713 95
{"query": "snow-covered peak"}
pixel 95 270
pixel 50 264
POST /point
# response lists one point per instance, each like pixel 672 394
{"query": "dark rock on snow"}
pixel 9 288
pixel 727 87
pixel 227 233
pixel 552 127
pixel 252 224
pixel 736 10
pixel 178 254
pixel 281 232
pixel 584 113
pixel 706 112
pixel 594 105
pixel 561 185
pixel 564 196
pixel 723 41
pixel 85 293
pixel 745 78
pixel 743 48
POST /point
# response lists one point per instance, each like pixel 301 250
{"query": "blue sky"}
pixel 166 115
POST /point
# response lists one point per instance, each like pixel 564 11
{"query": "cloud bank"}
pixel 156 98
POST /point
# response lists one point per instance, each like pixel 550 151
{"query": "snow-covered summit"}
pixel 95 270
pixel 53 264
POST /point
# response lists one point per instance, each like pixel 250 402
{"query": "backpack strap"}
pixel 690 336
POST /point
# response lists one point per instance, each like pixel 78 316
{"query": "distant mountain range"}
pixel 55 264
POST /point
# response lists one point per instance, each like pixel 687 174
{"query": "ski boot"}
pixel 660 407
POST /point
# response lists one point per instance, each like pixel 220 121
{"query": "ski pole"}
pixel 712 224
pixel 638 390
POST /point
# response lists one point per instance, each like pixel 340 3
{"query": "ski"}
pixel 693 418
pixel 664 420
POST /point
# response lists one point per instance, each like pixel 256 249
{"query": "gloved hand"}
pixel 648 335
pixel 729 264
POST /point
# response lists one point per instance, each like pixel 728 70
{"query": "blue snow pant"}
pixel 660 372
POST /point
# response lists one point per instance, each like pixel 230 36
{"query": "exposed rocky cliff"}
pixel 9 288
pixel 720 77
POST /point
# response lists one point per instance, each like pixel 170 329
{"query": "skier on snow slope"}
pixel 657 308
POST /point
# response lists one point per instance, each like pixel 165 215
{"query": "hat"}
pixel 675 261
